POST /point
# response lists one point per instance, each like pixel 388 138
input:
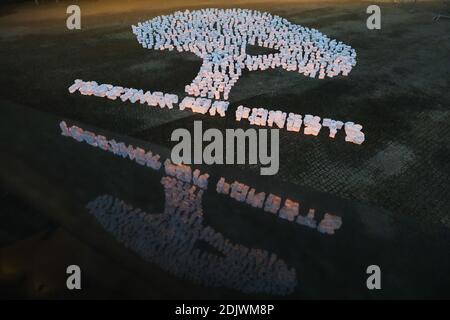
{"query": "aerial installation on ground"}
pixel 220 37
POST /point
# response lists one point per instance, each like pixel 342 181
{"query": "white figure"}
pixel 222 186
pixel 272 204
pixel 242 113
pixel 187 103
pixel 276 117
pixel 258 116
pixel 329 224
pixel 309 220
pixel 333 125
pixel 220 107
pixel 76 85
pixel 312 125
pixel 114 93
pixel 239 191
pixel 294 122
pixel 353 133
pixel 254 199
pixel 290 210
pixel 170 100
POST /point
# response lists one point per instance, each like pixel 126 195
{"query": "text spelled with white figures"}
pixel 256 116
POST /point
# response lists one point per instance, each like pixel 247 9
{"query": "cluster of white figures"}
pixel 274 204
pixel 170 240
pixel 312 124
pixel 220 38
pixel 139 155
pixel 271 203
pixel 256 116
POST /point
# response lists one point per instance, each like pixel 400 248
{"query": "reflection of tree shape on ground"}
pixel 171 240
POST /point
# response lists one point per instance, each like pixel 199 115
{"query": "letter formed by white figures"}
pixel 74 20
pixel 374 280
pixel 74 278
pixel 374 20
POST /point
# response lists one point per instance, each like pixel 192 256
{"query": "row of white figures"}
pixel 89 88
pixel 184 173
pixel 256 116
pixel 289 210
pixel 156 98
pixel 220 37
pixel 169 240
pixel 139 155
pixel 263 271
pixel 293 122
pixel 203 105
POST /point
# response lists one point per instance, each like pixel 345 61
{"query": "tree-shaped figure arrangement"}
pixel 220 37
